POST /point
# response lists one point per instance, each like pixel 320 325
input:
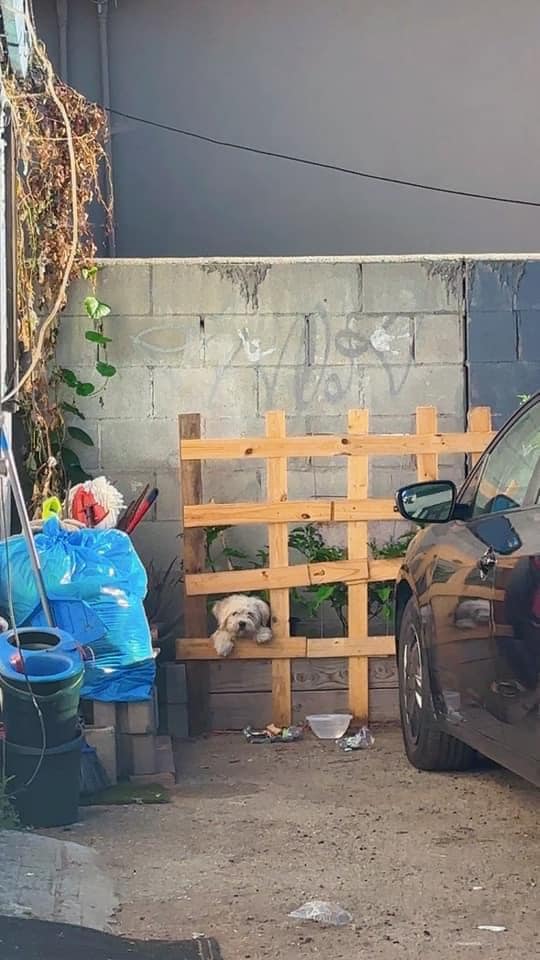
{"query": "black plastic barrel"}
pixel 49 798
pixel 55 673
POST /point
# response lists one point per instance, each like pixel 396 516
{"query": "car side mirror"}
pixel 429 502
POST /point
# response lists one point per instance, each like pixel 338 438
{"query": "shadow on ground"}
pixel 25 939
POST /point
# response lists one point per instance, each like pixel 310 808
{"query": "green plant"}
pixel 159 603
pixel 309 542
pixel 8 815
pixel 381 594
pixel 524 398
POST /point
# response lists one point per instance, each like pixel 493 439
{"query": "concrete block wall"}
pixel 233 339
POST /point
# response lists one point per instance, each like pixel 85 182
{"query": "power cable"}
pixel 305 161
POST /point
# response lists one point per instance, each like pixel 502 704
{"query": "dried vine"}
pixel 53 238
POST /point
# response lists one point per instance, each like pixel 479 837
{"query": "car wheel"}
pixel 426 745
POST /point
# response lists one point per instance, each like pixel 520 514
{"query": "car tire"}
pixel 426 745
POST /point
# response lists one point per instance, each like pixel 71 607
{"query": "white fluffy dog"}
pixel 240 616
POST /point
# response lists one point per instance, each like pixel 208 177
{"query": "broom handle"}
pixel 13 478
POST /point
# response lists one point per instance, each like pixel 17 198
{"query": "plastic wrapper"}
pixel 101 570
pixel 323 912
pixel 362 740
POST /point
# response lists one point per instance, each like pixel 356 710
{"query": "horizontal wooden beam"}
pixel 375 445
pixel 289 648
pixel 289 511
pixel 350 647
pixel 299 575
pixel 284 648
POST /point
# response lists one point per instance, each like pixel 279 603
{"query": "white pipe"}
pixel 103 22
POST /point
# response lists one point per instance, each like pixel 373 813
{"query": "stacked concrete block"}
pixel 173 700
pixel 126 738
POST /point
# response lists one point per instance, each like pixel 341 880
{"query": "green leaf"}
pixel 84 389
pixel 77 434
pixel 88 273
pixel 105 369
pixel 70 458
pixel 323 593
pixel 95 337
pixel 96 309
pixel 69 377
pixel 71 408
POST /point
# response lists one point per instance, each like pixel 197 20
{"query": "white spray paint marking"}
pixel 252 348
pixel 382 340
pixel 140 341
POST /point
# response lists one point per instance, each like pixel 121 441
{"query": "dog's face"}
pixel 241 616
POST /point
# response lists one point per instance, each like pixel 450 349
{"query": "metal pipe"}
pixel 103 22
pixel 8 464
pixel 62 18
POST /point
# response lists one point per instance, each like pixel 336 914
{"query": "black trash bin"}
pixel 50 797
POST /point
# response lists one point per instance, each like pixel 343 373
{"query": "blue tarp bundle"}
pixel 101 570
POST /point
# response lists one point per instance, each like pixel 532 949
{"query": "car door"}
pixel 493 636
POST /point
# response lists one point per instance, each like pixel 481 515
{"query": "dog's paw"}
pixel 264 635
pixel 222 643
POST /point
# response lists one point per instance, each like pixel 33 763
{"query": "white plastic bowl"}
pixel 329 726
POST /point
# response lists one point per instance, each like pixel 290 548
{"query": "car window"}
pixel 510 467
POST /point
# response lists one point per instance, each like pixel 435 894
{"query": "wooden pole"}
pixel 278 549
pixel 195 612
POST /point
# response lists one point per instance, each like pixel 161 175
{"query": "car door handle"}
pixel 487 561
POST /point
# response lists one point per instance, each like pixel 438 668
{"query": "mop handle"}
pixel 13 478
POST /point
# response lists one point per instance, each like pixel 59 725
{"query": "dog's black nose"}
pixel 242 624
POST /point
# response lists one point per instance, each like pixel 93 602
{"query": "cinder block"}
pixel 413 287
pixel 154 342
pixel 140 444
pixel 311 287
pixel 438 339
pixel 174 720
pixel 103 714
pixel 360 338
pixel 195 288
pixel 103 739
pixel 144 754
pixel 138 717
pixel 399 390
pixel 123 284
pixel 246 341
pixel 205 390
pixel 129 394
pixel 321 390
pixel 172 683
pixel 493 286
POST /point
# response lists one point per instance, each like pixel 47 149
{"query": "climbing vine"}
pixel 61 159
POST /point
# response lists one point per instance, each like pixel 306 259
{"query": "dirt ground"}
pixel 419 860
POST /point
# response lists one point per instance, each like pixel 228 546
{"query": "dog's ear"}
pixel 216 609
pixel 263 610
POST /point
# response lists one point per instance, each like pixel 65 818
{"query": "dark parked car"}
pixel 468 610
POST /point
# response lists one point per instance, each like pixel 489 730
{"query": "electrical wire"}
pixel 305 161
pixel 20 652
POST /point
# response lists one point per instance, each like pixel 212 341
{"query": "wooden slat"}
pixel 266 578
pixel 195 614
pixel 299 575
pixel 280 649
pixel 427 464
pixel 357 549
pixel 374 445
pixel 479 419
pixel 351 647
pixel 278 553
pixel 292 511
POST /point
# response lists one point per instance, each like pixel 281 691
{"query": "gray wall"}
pixel 232 340
pixel 427 90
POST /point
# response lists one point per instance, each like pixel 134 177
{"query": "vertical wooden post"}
pixel 357 549
pixel 479 420
pixel 195 613
pixel 427 464
pixel 278 548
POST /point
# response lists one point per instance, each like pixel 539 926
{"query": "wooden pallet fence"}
pixel 356 510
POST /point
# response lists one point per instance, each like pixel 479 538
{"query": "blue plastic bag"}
pixel 100 568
